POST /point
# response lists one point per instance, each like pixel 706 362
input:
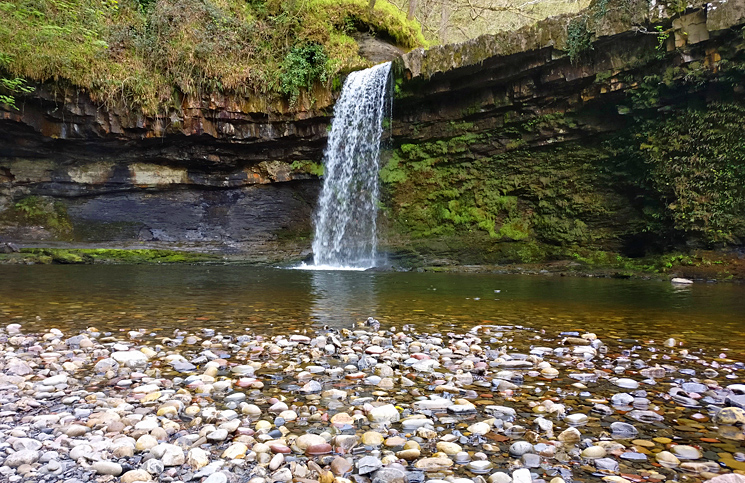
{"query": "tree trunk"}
pixel 371 5
pixel 444 21
pixel 412 9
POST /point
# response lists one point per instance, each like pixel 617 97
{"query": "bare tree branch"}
pixel 470 18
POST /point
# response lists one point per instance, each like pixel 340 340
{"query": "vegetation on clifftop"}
pixel 148 53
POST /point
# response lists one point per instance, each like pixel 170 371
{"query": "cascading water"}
pixel 345 221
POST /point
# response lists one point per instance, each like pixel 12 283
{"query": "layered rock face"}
pixel 581 132
pixel 502 146
pixel 218 173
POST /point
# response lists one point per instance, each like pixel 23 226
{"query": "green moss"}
pixel 307 166
pixel 671 179
pixel 392 172
pixel 658 185
pixel 101 255
pixel 36 210
pixel 690 167
pixel 548 121
pixel 443 188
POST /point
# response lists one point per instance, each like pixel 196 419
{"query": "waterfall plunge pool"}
pixel 235 299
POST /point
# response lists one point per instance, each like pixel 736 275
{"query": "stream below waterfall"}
pixel 263 300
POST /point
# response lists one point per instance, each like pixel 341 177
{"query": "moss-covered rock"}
pixel 623 150
pixel 44 212
pixel 111 256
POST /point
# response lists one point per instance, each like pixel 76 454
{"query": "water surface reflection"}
pixel 263 300
pixel 339 299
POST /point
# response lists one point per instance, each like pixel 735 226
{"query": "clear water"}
pixel 345 226
pixel 236 299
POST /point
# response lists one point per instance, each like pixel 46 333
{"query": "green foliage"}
pixel 307 166
pixel 302 67
pixel 145 5
pixel 148 53
pixel 40 211
pixel 30 207
pixel 392 172
pixel 579 38
pixel 647 93
pixel 693 162
pixel 11 86
pixel 662 36
pixel 600 9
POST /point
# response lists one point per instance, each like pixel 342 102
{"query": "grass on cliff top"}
pixel 147 53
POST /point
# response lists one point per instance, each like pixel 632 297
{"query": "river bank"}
pixel 708 266
pixel 369 403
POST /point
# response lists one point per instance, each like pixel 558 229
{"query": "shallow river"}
pixel 529 395
pixel 262 300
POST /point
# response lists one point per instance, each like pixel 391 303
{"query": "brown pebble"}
pixel 340 466
pixel 318 449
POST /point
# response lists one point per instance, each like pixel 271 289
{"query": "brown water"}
pixel 235 299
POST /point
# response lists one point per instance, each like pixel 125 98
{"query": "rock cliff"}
pixel 581 135
pixel 223 173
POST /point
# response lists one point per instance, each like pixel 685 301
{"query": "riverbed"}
pixel 222 374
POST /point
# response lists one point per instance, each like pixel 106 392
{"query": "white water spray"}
pixel 345 221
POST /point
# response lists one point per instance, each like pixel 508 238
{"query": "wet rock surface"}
pixel 365 406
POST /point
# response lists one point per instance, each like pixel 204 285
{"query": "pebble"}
pixel 307 440
pixel 206 412
pixel 731 416
pixel 522 475
pixel 22 457
pixel 686 452
pixel 340 466
pixel 384 414
pixel 217 436
pixel 607 464
pixel 519 448
pixel 107 468
pixel 449 448
pixel 235 451
pixel 570 436
pixel 531 460
pixel 197 458
pixel 633 456
pixel 154 466
pixel 594 452
pixel 372 438
pixel 479 429
pixel 624 430
pixel 135 476
pixel 480 466
pixel 368 464
pixel 627 383
pixel 145 442
pixel 216 478
pixel 577 419
pixel 667 459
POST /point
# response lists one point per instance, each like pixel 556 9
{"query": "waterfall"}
pixel 345 220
